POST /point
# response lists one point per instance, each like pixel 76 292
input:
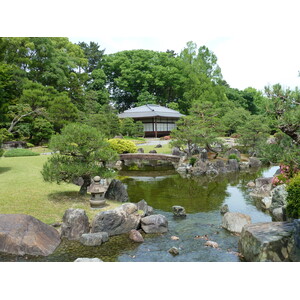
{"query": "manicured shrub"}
pixel 19 152
pixel 193 160
pixel 123 146
pixel 293 198
pixel 233 156
pixel 29 145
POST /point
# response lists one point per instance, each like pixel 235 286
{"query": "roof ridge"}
pixel 149 107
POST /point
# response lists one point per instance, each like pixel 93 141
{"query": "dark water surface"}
pixel 202 198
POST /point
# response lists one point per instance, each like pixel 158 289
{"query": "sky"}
pixel 256 42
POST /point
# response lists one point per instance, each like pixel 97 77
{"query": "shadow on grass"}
pixel 70 196
pixel 4 169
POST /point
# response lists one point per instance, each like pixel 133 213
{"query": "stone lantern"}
pixel 97 191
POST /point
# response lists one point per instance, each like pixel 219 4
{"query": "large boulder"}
pixel 23 234
pixel 117 221
pixel 270 241
pixel 75 223
pixel 154 224
pixel 234 222
pixel 116 191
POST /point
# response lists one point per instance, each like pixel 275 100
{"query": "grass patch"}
pixel 23 191
pixel 165 149
pixel 19 152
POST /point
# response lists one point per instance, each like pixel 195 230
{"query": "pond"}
pixel 202 199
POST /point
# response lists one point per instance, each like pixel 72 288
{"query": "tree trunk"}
pixel 85 185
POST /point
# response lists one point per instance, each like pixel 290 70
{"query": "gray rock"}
pixel 117 221
pixel 244 165
pixel 174 251
pixel 234 222
pixel 224 209
pixel 219 165
pixel 203 156
pixel 182 170
pixel 158 146
pixel 94 239
pixel 23 234
pixel 147 209
pixel 176 151
pixel 152 151
pixel 266 202
pixel 259 182
pixel 178 211
pixel 262 188
pixel 116 191
pixel 254 162
pixel 140 150
pixel 211 171
pixel 75 223
pixel 278 214
pixel 154 224
pixel 136 236
pixel 271 241
pixel 232 165
pixel 279 195
pixel 199 168
pixel 86 259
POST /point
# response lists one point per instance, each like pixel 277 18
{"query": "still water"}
pixel 202 199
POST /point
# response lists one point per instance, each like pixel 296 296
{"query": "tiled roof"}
pixel 150 110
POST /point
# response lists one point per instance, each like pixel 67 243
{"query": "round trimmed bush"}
pixel 19 152
pixel 123 146
pixel 293 198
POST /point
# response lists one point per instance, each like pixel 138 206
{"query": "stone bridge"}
pixel 150 156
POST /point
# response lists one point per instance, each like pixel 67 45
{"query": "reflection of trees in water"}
pixel 196 194
pixel 175 190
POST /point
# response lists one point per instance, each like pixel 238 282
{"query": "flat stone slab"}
pixel 86 259
pixel 94 239
pixel 270 241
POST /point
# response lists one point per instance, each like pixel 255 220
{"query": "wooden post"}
pixel 155 124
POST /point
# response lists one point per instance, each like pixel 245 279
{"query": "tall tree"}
pixel 94 55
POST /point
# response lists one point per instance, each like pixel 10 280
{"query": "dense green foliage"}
pixel 47 83
pixel 19 152
pixel 293 198
pixel 122 146
pixel 81 152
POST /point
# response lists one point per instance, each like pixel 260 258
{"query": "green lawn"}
pixel 23 191
pixel 165 149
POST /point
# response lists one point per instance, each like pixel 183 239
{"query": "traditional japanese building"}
pixel 158 120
